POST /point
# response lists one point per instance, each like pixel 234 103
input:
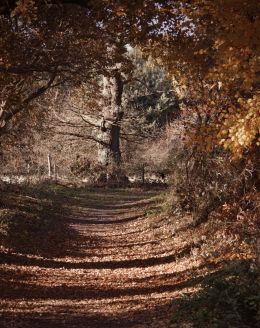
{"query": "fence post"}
pixel 49 166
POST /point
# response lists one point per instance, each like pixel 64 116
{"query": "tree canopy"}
pixel 209 48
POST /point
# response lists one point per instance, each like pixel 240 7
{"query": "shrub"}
pixel 18 227
pixel 31 222
pixel 201 182
pixel 231 300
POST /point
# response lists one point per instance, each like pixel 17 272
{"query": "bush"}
pixel 18 227
pixel 231 300
pixel 201 182
pixel 31 222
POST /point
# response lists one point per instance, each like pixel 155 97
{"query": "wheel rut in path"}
pixel 115 271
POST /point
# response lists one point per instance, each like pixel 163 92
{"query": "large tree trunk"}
pixel 112 114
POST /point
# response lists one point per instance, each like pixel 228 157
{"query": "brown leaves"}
pixel 26 9
pixel 121 11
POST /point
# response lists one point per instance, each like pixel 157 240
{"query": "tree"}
pixel 55 49
pixel 199 40
pixel 116 113
pixel 225 49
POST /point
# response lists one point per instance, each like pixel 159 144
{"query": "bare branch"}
pixel 85 118
pixel 37 93
pixel 85 137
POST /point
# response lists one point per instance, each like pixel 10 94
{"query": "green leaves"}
pixel 229 297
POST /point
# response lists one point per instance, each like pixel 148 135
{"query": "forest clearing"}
pixel 129 164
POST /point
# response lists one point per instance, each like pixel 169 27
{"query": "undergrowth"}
pixel 230 298
pixel 30 221
pixel 222 198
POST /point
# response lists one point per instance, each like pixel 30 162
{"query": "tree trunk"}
pixel 112 114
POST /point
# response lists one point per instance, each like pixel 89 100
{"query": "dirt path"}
pixel 117 270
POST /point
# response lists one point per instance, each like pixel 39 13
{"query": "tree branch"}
pixel 9 114
pixel 85 137
pixel 84 118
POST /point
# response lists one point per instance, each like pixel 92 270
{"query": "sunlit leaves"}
pixel 241 125
pixel 223 50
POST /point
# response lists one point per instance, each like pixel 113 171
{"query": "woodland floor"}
pixel 121 267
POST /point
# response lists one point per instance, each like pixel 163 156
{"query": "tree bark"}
pixel 112 114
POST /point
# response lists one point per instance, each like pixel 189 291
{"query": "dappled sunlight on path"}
pixel 120 269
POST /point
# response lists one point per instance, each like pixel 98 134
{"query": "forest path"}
pixel 119 268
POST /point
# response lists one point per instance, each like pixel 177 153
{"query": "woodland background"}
pixel 140 94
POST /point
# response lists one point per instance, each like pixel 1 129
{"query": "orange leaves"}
pixel 121 11
pixel 24 8
pixel 241 126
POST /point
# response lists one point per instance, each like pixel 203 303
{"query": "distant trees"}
pixel 116 113
pixel 211 44
pixel 150 97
